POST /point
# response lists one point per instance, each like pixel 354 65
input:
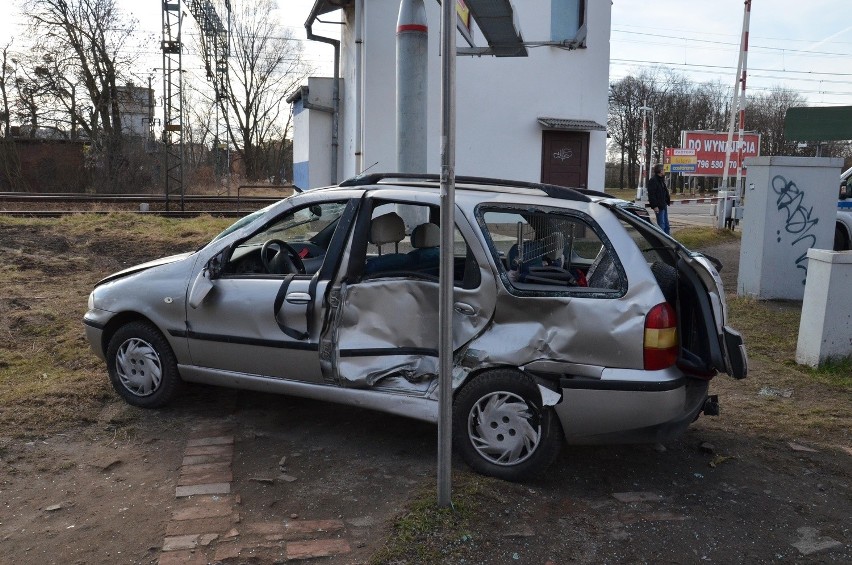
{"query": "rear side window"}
pixel 544 251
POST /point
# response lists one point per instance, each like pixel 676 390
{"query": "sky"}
pixel 804 45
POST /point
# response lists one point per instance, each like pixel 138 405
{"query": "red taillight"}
pixel 660 337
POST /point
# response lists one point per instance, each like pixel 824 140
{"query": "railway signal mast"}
pixel 215 45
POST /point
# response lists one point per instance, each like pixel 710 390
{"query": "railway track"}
pixel 55 205
pixel 164 213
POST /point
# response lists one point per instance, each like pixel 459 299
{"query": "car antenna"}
pixel 367 169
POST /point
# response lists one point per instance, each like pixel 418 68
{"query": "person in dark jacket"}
pixel 658 197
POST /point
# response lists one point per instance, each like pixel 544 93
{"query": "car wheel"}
pixel 142 366
pixel 501 428
pixel 841 241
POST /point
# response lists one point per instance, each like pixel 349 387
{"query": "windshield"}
pixel 244 221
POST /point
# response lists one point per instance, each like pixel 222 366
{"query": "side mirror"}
pixel 216 265
pixel 316 210
pixel 203 283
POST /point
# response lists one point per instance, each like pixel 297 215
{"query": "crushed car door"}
pixel 263 313
pixel 383 330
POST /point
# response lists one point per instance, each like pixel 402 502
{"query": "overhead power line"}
pixel 786 50
pixel 724 67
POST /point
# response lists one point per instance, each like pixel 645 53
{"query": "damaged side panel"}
pixel 566 328
pixel 387 332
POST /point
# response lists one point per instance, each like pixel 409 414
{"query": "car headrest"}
pixel 426 235
pixel 387 228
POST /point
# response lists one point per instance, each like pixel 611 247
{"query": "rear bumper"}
pixel 596 411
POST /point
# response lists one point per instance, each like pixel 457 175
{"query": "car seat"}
pixel 426 241
pixel 384 229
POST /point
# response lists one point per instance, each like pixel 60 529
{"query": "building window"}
pixel 568 22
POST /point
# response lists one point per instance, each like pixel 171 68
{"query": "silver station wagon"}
pixel 575 318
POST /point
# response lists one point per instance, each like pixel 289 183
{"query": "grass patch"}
pixel 771 327
pixel 425 533
pixel 49 377
pixel 697 237
pixel 835 373
pixel 771 330
pixel 623 193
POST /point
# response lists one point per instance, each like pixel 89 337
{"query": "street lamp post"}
pixel 646 155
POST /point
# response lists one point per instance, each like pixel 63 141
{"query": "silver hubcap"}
pixel 138 367
pixel 499 428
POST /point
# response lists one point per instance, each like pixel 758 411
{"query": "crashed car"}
pixel 575 318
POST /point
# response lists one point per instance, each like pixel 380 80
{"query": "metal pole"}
pixel 412 72
pixel 641 184
pixel 651 152
pixel 445 293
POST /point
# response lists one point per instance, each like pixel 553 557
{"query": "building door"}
pixel 565 158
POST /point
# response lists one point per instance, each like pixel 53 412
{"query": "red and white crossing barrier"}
pixel 711 200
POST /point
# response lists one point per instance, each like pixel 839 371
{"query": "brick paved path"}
pixel 205 526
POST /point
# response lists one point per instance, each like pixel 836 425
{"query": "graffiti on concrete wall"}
pixel 799 221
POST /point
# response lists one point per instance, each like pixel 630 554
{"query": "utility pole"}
pixel 640 185
pixel 215 44
pixel 172 102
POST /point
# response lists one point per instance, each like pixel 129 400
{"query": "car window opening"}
pixel 295 243
pixel 394 250
pixel 546 251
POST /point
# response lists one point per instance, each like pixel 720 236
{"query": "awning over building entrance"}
pixel 571 125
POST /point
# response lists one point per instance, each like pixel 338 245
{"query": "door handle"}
pixel 298 298
pixel 463 308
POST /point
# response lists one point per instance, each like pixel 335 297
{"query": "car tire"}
pixel 841 240
pixel 501 428
pixel 142 366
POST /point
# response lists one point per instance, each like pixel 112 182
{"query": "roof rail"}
pixel 591 192
pixel 552 190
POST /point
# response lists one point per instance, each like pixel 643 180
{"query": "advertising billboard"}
pixel 709 149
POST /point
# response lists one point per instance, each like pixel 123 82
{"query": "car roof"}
pixel 467 183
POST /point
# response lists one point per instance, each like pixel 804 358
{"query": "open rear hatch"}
pixel 691 283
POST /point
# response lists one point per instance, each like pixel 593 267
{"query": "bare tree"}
pixel 766 113
pixel 29 109
pixel 7 82
pixel 679 104
pixel 94 33
pixel 62 91
pixel 626 98
pixel 265 66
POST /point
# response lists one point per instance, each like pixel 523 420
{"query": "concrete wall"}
pixel 499 99
pixel 790 207
pixel 45 166
pixel 825 330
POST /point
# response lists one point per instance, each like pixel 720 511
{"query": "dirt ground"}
pixel 330 480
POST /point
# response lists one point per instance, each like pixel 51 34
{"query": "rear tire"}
pixel 501 429
pixel 142 367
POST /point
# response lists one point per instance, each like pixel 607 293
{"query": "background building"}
pixel 536 118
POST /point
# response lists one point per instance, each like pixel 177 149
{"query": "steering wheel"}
pixel 285 260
